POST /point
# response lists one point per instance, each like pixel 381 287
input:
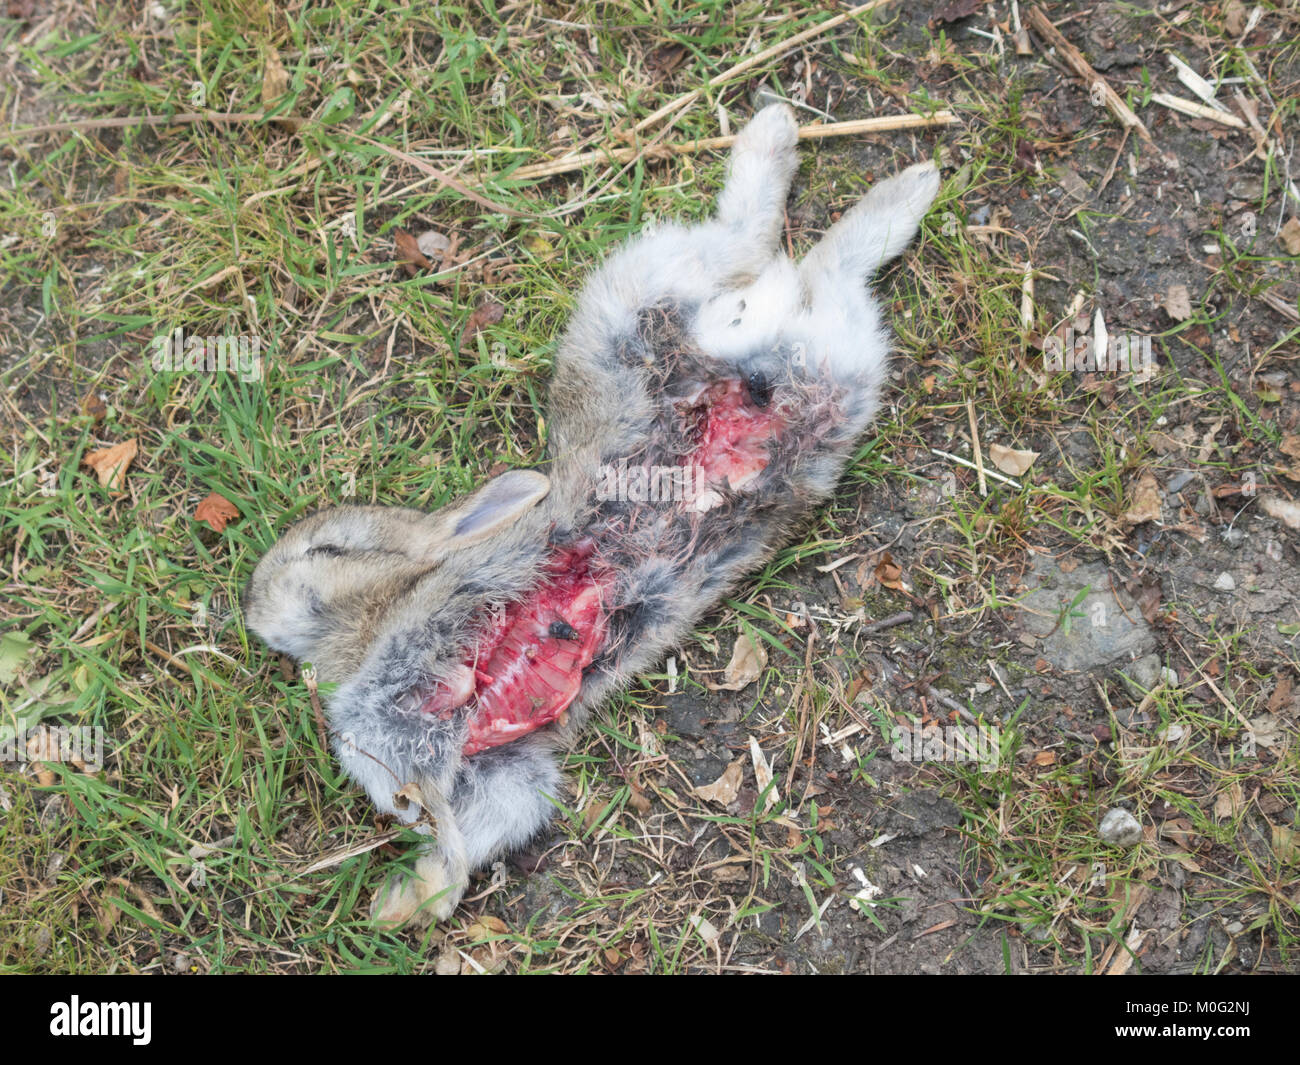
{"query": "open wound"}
pixel 728 424
pixel 526 666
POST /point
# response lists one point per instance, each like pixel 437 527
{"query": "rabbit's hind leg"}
pixel 679 264
pixel 500 798
pixel 878 227
pixel 751 207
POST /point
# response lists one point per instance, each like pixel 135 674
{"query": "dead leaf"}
pixel 43 747
pixel 1228 802
pixel 275 79
pixel 1008 460
pixel 1281 693
pixel 763 774
pixel 1178 303
pixel 1045 758
pixel 1074 184
pixel 275 83
pixel 1265 730
pixel 705 928
pixel 1290 445
pixel 1284 510
pixel 637 797
pixel 408 795
pixel 487 313
pixel 723 791
pixel 486 925
pixel 22 9
pixel 889 573
pixel 408 249
pixel 1234 17
pixel 1286 843
pixel 1289 236
pixel 594 815
pixel 94 405
pixel 1178 830
pixel 956 11
pixel 216 510
pixel 111 463
pixel 1145 505
pixel 1148 598
pixel 748 660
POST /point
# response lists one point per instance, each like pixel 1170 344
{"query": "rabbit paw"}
pixel 908 193
pixel 773 131
pixel 430 894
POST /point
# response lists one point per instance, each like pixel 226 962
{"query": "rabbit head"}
pixel 336 581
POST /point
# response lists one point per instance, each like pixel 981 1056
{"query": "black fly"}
pixel 562 630
pixel 760 389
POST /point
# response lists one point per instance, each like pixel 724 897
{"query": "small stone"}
pixel 1142 675
pixel 1120 828
pixel 1289 236
pixel 1169 677
pixel 1224 583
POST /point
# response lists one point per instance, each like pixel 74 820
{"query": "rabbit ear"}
pixel 498 503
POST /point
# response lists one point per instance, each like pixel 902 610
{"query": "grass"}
pixel 193 849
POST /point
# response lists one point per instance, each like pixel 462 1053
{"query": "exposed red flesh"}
pixel 521 676
pixel 732 434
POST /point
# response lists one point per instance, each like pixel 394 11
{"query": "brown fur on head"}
pixel 324 591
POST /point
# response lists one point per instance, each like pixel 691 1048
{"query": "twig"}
pixel 322 729
pixel 944 699
pixel 686 99
pixel 440 176
pixel 811 132
pixel 888 623
pixel 128 121
pixel 975 447
pixel 1073 58
pixel 1191 107
pixel 1280 305
pixel 193 118
pixel 971 466
pixel 1110 170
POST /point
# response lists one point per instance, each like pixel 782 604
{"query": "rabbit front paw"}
pixel 431 893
